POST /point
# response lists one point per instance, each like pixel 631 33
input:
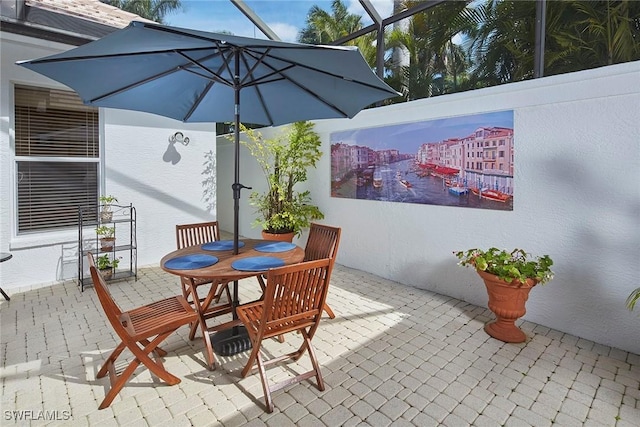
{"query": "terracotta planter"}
pixel 284 237
pixel 507 301
pixel 107 244
pixel 107 273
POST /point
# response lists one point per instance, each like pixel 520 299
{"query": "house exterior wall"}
pixel 577 198
pixel 139 166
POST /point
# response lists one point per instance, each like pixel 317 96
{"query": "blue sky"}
pixel 285 17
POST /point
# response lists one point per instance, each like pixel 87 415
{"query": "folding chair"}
pixel 208 306
pixel 293 302
pixel 155 322
pixel 322 243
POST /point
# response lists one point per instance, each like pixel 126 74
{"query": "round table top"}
pixel 5 256
pixel 222 270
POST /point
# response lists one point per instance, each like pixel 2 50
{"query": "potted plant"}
pixel 285 159
pixel 105 213
pixel 106 265
pixel 508 277
pixel 107 237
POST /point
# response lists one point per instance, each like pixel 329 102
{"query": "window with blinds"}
pixel 57 158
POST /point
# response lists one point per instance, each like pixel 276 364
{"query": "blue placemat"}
pixel 274 247
pixel 190 262
pixel 257 263
pixel 221 245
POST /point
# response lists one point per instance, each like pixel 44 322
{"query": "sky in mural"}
pixel 414 134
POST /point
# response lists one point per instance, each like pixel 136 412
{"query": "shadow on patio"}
pixel 394 355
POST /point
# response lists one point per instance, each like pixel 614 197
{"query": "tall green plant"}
pixel 285 160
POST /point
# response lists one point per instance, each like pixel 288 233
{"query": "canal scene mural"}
pixel 464 161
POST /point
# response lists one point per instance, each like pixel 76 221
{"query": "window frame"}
pixel 61 233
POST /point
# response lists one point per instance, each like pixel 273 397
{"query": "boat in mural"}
pixel 495 195
pixel 458 190
pixel 377 179
pixel 405 183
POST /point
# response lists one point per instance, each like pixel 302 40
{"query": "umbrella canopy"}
pixel 198 76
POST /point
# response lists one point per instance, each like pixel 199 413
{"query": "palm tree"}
pixel 580 34
pixel 323 27
pixel 154 10
pixel 588 34
pixel 503 44
pixel 435 63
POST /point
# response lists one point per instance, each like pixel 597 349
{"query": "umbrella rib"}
pixel 198 101
pixel 216 76
pixel 134 84
pixel 310 92
pixel 258 92
pixel 327 73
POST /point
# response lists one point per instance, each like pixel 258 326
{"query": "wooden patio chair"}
pixel 322 243
pixel 208 306
pixel 141 330
pixel 293 302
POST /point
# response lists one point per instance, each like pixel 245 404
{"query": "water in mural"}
pixel 462 161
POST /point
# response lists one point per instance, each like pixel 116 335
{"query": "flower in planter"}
pixel 106 214
pixel 512 265
pixel 107 237
pixel 106 265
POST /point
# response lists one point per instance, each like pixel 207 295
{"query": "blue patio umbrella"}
pixel 198 76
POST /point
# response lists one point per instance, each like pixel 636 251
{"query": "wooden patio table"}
pixel 227 338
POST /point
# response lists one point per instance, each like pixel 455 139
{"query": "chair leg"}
pixel 224 288
pixel 141 356
pixel 314 361
pixel 186 293
pixel 120 381
pixel 265 385
pixel 198 306
pixel 111 359
pixel 208 350
pixel 329 311
pixel 255 351
pixel 261 282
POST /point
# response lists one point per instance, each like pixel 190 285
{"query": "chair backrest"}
pixel 295 297
pixel 322 243
pixel 196 234
pixel 111 309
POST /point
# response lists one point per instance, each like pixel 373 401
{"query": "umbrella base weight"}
pixel 231 341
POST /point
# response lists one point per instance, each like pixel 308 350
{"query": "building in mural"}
pixel 461 161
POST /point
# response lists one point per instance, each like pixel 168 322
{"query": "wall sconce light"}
pixel 179 137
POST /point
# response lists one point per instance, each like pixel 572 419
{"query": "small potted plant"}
pixel 106 214
pixel 285 159
pixel 106 265
pixel 107 237
pixel 508 277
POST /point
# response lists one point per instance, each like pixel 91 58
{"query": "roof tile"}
pixel 91 10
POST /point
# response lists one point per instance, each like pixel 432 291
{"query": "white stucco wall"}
pixel 577 198
pixel 577 195
pixel 138 168
pixel 164 184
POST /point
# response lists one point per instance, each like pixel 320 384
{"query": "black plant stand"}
pixel 5 257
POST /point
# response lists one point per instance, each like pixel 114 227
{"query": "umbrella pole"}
pixel 236 184
pixel 234 340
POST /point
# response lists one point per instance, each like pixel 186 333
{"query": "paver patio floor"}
pixel 394 355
